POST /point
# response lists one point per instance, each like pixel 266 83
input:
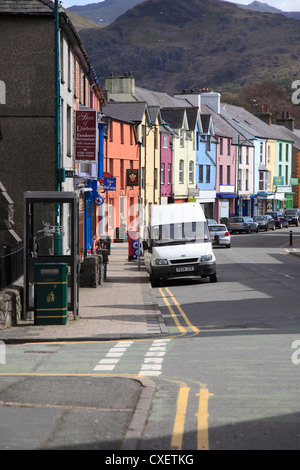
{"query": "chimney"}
pixel 265 116
pixel 193 96
pixel 120 88
pixel 211 99
pixel 286 121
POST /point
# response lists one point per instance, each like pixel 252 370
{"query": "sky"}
pixel 285 5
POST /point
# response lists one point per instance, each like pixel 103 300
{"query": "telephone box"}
pixel 51 239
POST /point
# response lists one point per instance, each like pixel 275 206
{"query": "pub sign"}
pixel 86 136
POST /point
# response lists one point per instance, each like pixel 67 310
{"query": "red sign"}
pixel 86 136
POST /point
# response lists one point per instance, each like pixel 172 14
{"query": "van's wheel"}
pixel 213 277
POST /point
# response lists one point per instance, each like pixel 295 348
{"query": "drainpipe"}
pixel 57 96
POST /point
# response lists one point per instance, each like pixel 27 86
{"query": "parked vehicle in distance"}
pixel 265 222
pixel 280 219
pixel 211 222
pixel 219 235
pixel 242 224
pixel 293 216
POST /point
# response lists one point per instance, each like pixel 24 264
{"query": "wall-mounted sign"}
pixel 278 180
pixel 110 184
pixel 132 177
pixel 86 148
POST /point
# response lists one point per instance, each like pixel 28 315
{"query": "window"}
pixel 191 172
pixel 162 173
pixel 165 141
pixel 208 143
pixel 111 131
pixel 155 178
pixel 207 173
pixel 286 175
pixel 263 180
pixel 131 135
pixel 169 173
pixel 69 133
pixel 269 154
pixel 247 181
pixel 181 138
pixel 122 174
pixel 287 152
pixel 181 168
pixel 280 152
pixel 261 153
pixel 221 174
pixel 228 174
pixel 197 140
pixel 221 146
pixel 200 173
pixel 247 155
pixel 122 132
pixel 143 178
pixel 228 147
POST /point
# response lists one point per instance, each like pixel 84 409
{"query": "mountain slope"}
pixel 265 8
pixel 104 12
pixel 169 45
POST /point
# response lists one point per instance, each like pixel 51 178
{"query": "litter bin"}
pixel 50 293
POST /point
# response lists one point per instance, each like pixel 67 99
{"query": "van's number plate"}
pixel 180 270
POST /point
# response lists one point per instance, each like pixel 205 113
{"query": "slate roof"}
pixel 127 111
pixel 26 7
pixel 248 124
pixel 163 100
pixel 173 116
pixel 222 128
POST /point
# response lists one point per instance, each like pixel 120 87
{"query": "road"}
pixel 227 374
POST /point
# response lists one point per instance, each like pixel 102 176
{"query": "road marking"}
pixel 178 428
pixel 187 321
pixel 180 328
pixel 202 419
pixel 152 364
pixel 112 357
pixel 179 308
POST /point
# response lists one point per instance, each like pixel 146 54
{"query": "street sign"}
pixel 110 184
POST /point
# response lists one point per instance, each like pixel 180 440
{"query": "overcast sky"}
pixel 285 5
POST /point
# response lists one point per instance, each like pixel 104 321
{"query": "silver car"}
pixel 219 235
pixel 242 224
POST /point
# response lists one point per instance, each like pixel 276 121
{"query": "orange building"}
pixel 121 154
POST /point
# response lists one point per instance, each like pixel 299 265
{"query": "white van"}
pixel 178 243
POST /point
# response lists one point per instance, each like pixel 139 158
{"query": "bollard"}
pixel 291 237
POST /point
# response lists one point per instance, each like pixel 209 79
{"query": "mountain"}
pixel 265 8
pixel 81 22
pixel 104 12
pixel 170 45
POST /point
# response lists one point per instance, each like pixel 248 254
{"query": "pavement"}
pixel 122 308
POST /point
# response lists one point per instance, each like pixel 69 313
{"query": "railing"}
pixel 11 264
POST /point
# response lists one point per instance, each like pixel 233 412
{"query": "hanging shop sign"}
pixel 86 148
pixel 132 177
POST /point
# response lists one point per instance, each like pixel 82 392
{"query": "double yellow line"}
pixel 188 324
pixel 201 415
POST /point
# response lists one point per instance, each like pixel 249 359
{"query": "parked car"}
pixel 280 220
pixel 219 235
pixel 242 224
pixel 265 222
pixel 211 222
pixel 293 216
